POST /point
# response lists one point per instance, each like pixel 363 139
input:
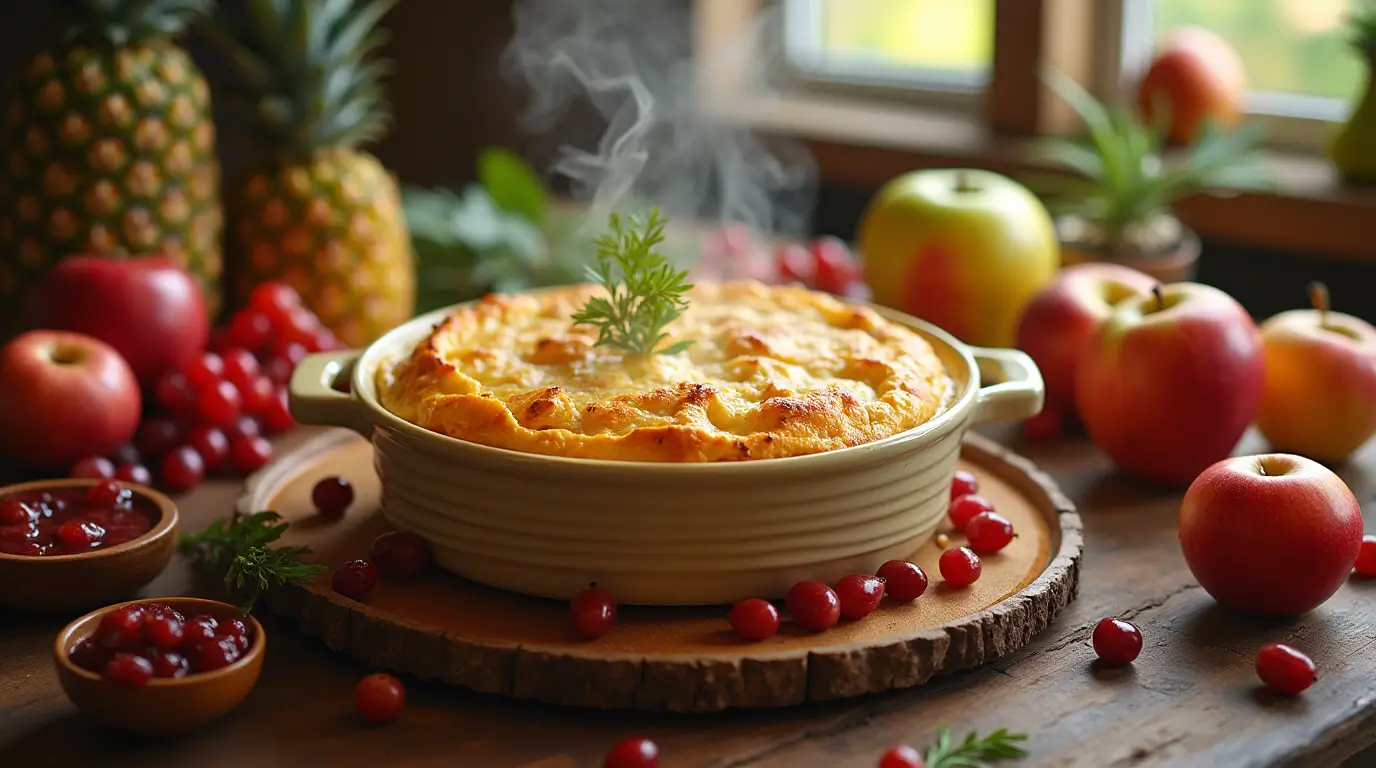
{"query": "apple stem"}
pixel 963 183
pixel 1318 298
pixel 1160 300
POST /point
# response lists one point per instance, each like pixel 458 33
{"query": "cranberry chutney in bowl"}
pixel 792 435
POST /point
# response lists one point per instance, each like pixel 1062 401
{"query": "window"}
pixel 939 46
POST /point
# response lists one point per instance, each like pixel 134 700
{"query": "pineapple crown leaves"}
pixel 126 22
pixel 306 68
pixel 1123 175
pixel 1362 26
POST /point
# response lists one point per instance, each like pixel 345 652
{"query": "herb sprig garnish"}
pixel 645 292
pixel 974 752
pixel 239 550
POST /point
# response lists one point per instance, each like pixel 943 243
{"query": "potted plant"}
pixel 1116 205
pixel 1353 148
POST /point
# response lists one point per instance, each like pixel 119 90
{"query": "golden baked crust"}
pixel 772 372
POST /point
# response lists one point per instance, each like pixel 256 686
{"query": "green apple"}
pixel 963 249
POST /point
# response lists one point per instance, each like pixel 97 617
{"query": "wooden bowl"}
pixel 67 584
pixel 166 705
pixel 657 533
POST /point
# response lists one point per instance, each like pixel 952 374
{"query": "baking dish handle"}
pixel 1018 392
pixel 314 400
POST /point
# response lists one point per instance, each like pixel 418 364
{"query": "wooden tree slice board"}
pixel 668 659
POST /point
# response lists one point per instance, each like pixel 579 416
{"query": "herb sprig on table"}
pixel 974 751
pixel 239 550
pixel 645 292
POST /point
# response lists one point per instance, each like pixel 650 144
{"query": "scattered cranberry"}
pixel 244 426
pixel 331 496
pixel 256 396
pixel 814 605
pixel 1366 556
pixel 105 494
pixel 182 469
pixel 249 329
pixel 835 267
pixel 211 444
pixel 157 437
pixel 93 467
pixel 79 535
pixel 240 367
pixel 276 413
pixel 1046 425
pixel 400 554
pixel 379 698
pixel 903 580
pixel 275 300
pixel 176 395
pixel 959 567
pixel 1117 642
pixel 593 611
pixel 214 654
pixel 249 454
pixel 966 507
pixel 964 484
pixel 754 618
pixel 901 756
pixel 988 532
pixel 204 371
pixel 859 594
pixel 218 403
pixel 292 352
pixel 355 579
pixel 128 669
pixel 795 263
pixel 15 512
pixel 633 752
pixel 164 631
pixel 134 473
pixel 1285 669
pixel 278 371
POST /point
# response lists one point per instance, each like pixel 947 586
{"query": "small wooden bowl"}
pixel 67 584
pixel 166 705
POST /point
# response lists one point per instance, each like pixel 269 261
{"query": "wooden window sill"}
pixel 863 145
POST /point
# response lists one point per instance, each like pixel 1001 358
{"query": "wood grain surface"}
pixel 1191 699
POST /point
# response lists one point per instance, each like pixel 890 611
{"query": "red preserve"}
pixel 69 521
pixel 137 643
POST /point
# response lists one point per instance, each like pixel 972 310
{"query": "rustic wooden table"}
pixel 1190 699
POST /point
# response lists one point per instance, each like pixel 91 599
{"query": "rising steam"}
pixel 632 61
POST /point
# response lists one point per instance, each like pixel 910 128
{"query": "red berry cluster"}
pixel 137 643
pixel 68 521
pixel 214 414
pixel 398 555
pixel 986 531
pixel 825 264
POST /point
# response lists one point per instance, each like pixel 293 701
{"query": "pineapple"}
pixel 321 214
pixel 109 149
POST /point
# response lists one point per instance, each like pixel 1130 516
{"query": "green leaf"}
pixel 513 185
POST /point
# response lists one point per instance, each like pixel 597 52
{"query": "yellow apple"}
pixel 964 249
pixel 1320 394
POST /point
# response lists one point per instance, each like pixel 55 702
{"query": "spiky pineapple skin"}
pixel 109 151
pixel 331 226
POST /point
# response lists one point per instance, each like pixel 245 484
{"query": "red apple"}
pixel 64 396
pixel 1320 394
pixel 1273 535
pixel 1196 76
pixel 147 307
pixel 1170 381
pixel 1058 321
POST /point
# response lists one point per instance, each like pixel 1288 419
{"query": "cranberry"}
pixel 218 403
pixel 277 414
pixel 633 752
pixel 593 611
pixel 323 340
pixel 331 496
pixel 1366 556
pixel 204 371
pixel 988 532
pixel 1117 642
pixel 966 507
pixel 1285 669
pixel 79 534
pixel 903 580
pixel 199 628
pixel 128 669
pixel 355 579
pixel 400 554
pixel 795 263
pixel 105 494
pixel 901 756
pixel 249 454
pixel 754 618
pixel 134 473
pixel 379 698
pixel 240 367
pixel 291 351
pixel 121 627
pixel 94 467
pixel 157 436
pixel 249 329
pixel 959 567
pixel 175 394
pixel 215 654
pixel 274 299
pixel 244 426
pixel 15 512
pixel 163 609
pixel 859 594
pixel 90 655
pixel 257 396
pixel 237 630
pixel 164 631
pixel 814 605
pixel 211 444
pixel 278 370
pixel 182 469
pixel 169 664
pixel 835 267
pixel 964 484
pixel 18 534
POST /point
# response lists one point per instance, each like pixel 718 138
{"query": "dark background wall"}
pixel 450 101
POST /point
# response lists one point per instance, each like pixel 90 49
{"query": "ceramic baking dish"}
pixel 663 534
